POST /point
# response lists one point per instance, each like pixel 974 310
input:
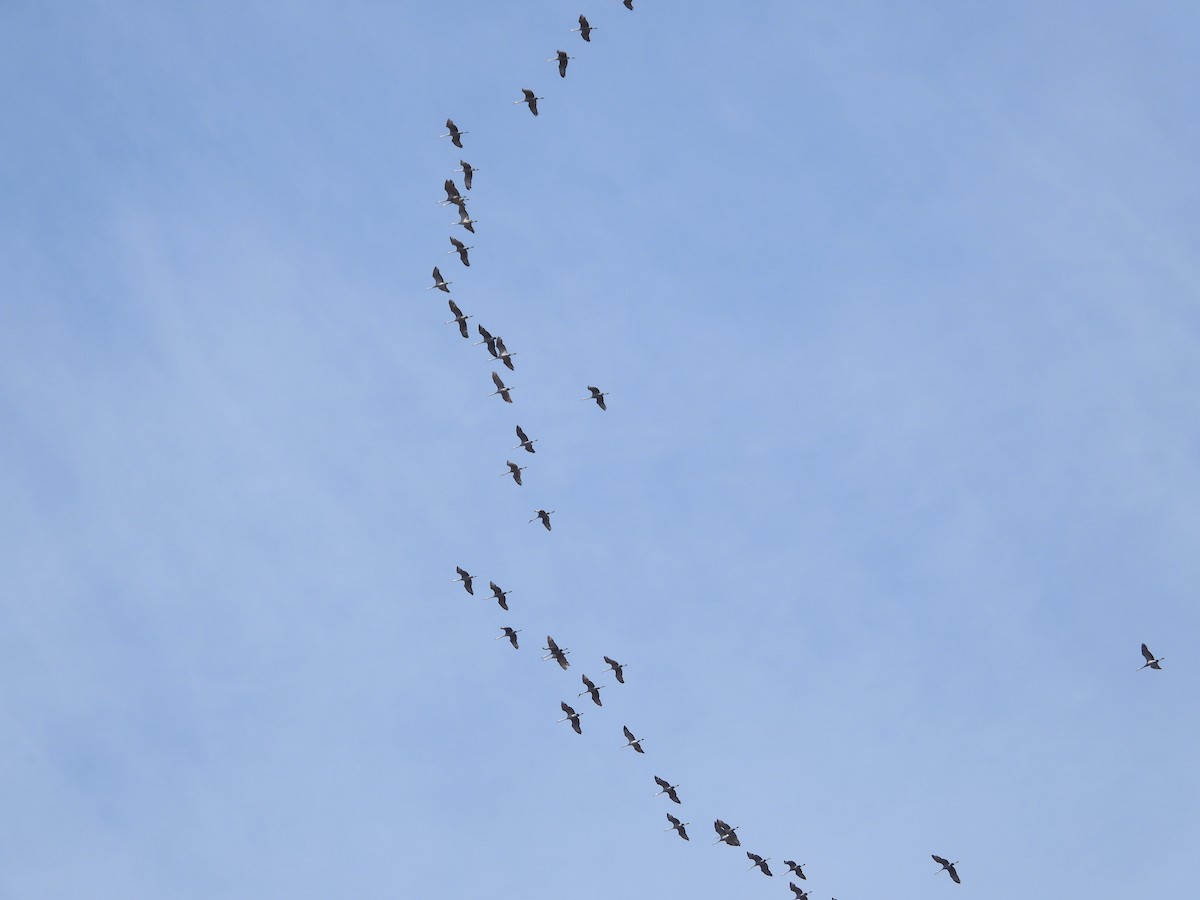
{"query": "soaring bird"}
pixel 453 133
pixel 668 789
pixel 514 470
pixel 461 249
pixel 725 834
pixel 465 220
pixel 556 654
pixel 1150 660
pixel 572 715
pixel 678 827
pixel 798 869
pixel 465 577
pixel 511 634
pixel 503 355
pixel 617 668
pixel 798 893
pixel 529 99
pixel 487 339
pixel 947 866
pixel 635 743
pixel 628 4
pixel 501 596
pixel 544 516
pixel 597 395
pixel 502 390
pixel 591 690
pixel 585 30
pixel 562 58
pixel 452 194
pixel 459 319
pixel 439 282
pixel 758 861
pixel 468 172
pixel 526 443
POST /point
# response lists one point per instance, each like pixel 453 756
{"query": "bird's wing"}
pixel 496 379
pixel 495 587
pixel 550 645
pixel 458 245
pixel 1146 653
pixel 528 94
pixel 450 124
pixel 674 821
pixel 628 734
pixel 521 435
pixel 722 828
pixel 462 573
pixel 662 784
pixel 454 309
pixel 589 683
pixel 567 709
pixel 954 875
pixel 594 390
pixel 941 862
pixel 483 333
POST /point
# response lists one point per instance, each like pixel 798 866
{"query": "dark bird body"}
pixel 459 319
pixel 501 388
pixel 561 57
pixel 515 471
pixel 572 715
pixel 797 892
pixel 725 834
pixel 617 669
pixel 461 249
pixel 633 742
pixel 1150 660
pixel 511 634
pixel 526 444
pixel 585 29
pixel 591 690
pixel 465 577
pixel 468 172
pixel 678 827
pixel 501 596
pixel 454 134
pixel 758 861
pixel 947 866
pixel 487 339
pixel 438 281
pixel 544 516
pixel 668 789
pixel 598 396
pixel 530 100
pixel 797 869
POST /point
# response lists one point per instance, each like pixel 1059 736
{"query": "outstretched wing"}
pixel 941 862
pixel 953 874
pixel 567 709
pixel 499 384
pixel 628 734
pixel 662 784
pixel 1146 653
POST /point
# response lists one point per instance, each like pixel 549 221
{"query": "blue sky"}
pixel 897 306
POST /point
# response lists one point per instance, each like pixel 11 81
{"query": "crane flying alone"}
pixel 544 516
pixel 1150 659
pixel 947 866
pixel 617 669
pixel 597 395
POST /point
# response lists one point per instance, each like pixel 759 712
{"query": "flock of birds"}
pixel 726 834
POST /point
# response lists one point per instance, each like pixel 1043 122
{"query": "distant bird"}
pixel 668 789
pixel 635 743
pixel 1150 660
pixel 511 634
pixel 572 715
pixel 628 4
pixel 556 654
pixel 487 339
pixel 514 470
pixel 503 355
pixel 678 827
pixel 725 834
pixel 459 319
pixel 439 282
pixel 544 516
pixel 797 869
pixel 759 861
pixel 529 99
pixel 591 690
pixel 562 58
pixel 461 249
pixel 465 220
pixel 526 443
pixel 798 893
pixel 597 395
pixel 947 866
pixel 617 668
pixel 453 133
pixel 585 30
pixel 501 596
pixel 465 577
pixel 452 195
pixel 501 388
pixel 468 172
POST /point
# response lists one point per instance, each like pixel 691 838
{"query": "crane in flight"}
pixel 597 395
pixel 501 596
pixel 514 470
pixel 585 30
pixel 544 516
pixel 459 319
pixel 628 4
pixel 678 827
pixel 452 195
pixel 465 577
pixel 530 98
pixel 725 834
pixel 798 893
pixel 468 172
pixel 503 390
pixel 526 444
pixel 453 133
pixel 439 282
pixel 947 866
pixel 631 741
pixel 487 339
pixel 561 57
pixel 667 788
pixel 556 654
pixel 503 355
pixel 465 220
pixel 572 715
pixel 797 869
pixel 511 634
pixel 759 862
pixel 461 249
pixel 1150 660
pixel 616 668
pixel 591 690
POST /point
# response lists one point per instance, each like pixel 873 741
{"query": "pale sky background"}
pixel 898 308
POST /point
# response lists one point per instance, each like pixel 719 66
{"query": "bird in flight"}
pixel 585 29
pixel 725 834
pixel 487 339
pixel 503 355
pixel 439 282
pixel 758 861
pixel 526 443
pixel 678 827
pixel 556 654
pixel 529 99
pixel 502 389
pixel 544 516
pixel 628 4
pixel 797 869
pixel 617 668
pixel 597 395
pixel 668 789
pixel 635 743
pixel 511 634
pixel 465 220
pixel 591 689
pixel 468 172
pixel 454 134
pixel 465 577
pixel 1150 660
pixel 947 866
pixel 501 596
pixel 514 470
pixel 572 715
pixel 459 319
pixel 797 892
pixel 461 249
pixel 561 57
